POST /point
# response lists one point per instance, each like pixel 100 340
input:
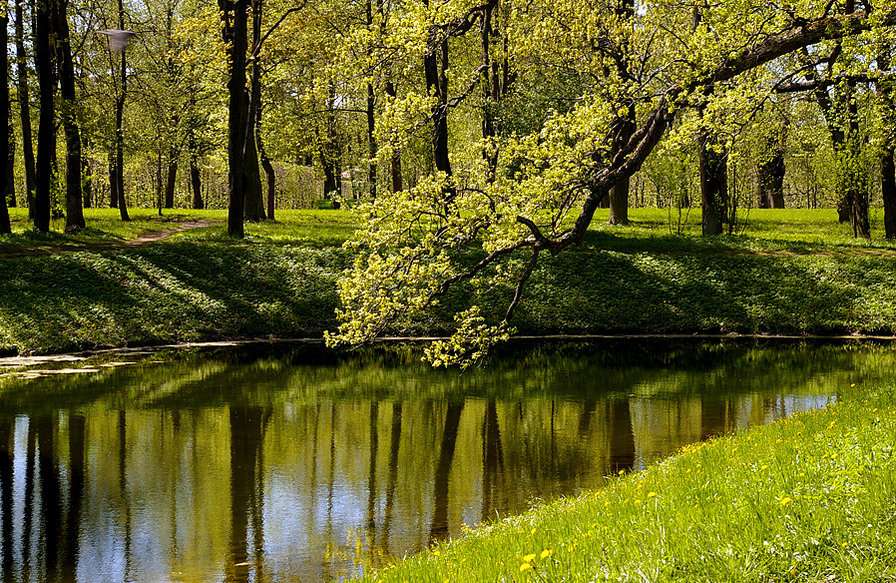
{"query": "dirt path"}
pixel 154 236
pixel 146 238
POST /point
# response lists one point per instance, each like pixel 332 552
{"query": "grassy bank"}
pixel 810 499
pixel 792 272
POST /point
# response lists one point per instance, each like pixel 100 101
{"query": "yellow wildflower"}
pixel 529 558
pixel 546 553
pixel 786 500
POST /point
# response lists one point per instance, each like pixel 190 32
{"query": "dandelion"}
pixel 529 558
pixel 525 567
pixel 651 494
pixel 546 553
pixel 786 500
pixel 532 531
pixel 764 467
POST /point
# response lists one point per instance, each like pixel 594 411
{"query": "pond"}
pixel 291 464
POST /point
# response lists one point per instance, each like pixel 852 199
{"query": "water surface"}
pixel 294 465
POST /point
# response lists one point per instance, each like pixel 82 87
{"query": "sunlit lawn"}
pixel 798 230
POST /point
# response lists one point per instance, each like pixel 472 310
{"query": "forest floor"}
pixel 181 279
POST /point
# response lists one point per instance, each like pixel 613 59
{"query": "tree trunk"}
pixel 269 174
pixel 113 180
pixel 713 186
pixel 87 177
pixel 888 192
pixel 119 124
pixel 195 174
pixel 74 214
pixel 395 165
pixel 435 68
pixel 196 184
pixel 171 180
pixel 331 181
pixel 157 182
pixel 771 178
pixel 331 153
pixel 371 140
pixel 5 227
pixel 619 203
pixel 46 129
pixel 440 118
pixel 234 16
pixel 372 146
pixel 254 209
pixel 24 108
pixel 11 160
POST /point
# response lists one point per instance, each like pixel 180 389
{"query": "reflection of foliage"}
pixel 253 375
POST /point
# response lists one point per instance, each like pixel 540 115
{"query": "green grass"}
pixel 794 272
pixel 811 499
pixel 165 293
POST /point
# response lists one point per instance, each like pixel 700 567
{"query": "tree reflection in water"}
pixel 242 469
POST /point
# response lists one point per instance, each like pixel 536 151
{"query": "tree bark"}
pixel 24 108
pixel 46 130
pixel 713 185
pixel 771 173
pixel 234 17
pixel 395 164
pixel 11 159
pixel 113 180
pixel 372 146
pixel 619 203
pixel 5 227
pixel 269 174
pixel 119 124
pixel 254 201
pixel 195 173
pixel 888 192
pixel 87 176
pixel 331 153
pixel 196 184
pixel 435 69
pixel 171 178
pixel 74 214
pixel 619 193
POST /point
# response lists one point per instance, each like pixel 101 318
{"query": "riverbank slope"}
pixel 196 285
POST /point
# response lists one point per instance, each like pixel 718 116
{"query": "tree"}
pixel 234 18
pixel 74 215
pixel 46 129
pixel 24 108
pixel 415 245
pixel 4 107
pixel 116 173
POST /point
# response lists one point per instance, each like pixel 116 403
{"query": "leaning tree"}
pixel 635 73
